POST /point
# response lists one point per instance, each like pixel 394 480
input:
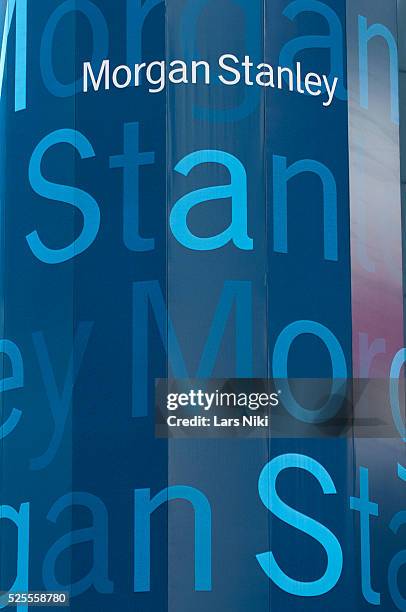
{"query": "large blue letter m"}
pixel 236 295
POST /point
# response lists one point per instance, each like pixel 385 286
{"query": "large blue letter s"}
pixel 64 193
pixel 271 499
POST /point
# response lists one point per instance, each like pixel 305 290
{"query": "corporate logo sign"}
pixel 202 303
